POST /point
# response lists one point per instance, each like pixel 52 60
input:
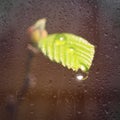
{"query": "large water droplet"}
pixel 79 112
pixel 81 76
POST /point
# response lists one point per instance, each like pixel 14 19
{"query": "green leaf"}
pixel 70 50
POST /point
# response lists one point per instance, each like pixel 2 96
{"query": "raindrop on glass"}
pixel 31 112
pixel 79 112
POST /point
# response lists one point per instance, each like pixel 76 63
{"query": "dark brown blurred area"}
pixel 54 93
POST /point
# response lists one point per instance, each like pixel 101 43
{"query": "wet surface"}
pixel 54 93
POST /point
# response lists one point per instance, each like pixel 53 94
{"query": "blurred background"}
pixel 54 93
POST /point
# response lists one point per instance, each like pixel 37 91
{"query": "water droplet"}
pixel 32 81
pixel 85 91
pixel 32 104
pixel 106 112
pixel 71 49
pixel 104 105
pixel 97 71
pixel 54 96
pixel 105 34
pixel 81 76
pixel 31 112
pixel 116 46
pixel 78 112
pixel 107 56
pixel 60 39
pixel 69 82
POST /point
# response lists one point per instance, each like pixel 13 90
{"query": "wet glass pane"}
pixel 54 92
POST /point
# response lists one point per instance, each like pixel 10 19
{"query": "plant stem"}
pixel 13 102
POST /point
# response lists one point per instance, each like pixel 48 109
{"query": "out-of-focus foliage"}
pixel 69 50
